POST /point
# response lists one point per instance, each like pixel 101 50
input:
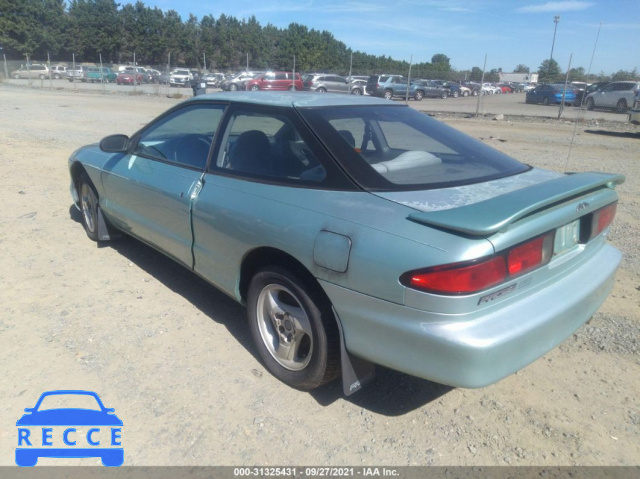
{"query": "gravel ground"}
pixel 174 358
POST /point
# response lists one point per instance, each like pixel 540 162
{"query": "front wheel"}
pixel 444 94
pixel 388 94
pixel 255 88
pixel 418 95
pixel 465 93
pixel 356 91
pixel 292 88
pixel 293 328
pixel 590 104
pixel 233 87
pixel 455 94
pixel 321 90
pixel 16 76
pixel 88 206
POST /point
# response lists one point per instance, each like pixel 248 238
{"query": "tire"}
pixel 388 94
pixel 455 94
pixel 465 93
pixel 418 95
pixel 321 90
pixel 43 76
pixel 57 76
pixel 444 95
pixel 545 101
pixel 255 88
pixel 474 93
pixel 88 206
pixel 293 88
pixel 356 91
pixel 621 106
pixel 233 87
pixel 16 76
pixel 293 328
pixel 590 104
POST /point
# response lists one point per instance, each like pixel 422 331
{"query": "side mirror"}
pixel 115 144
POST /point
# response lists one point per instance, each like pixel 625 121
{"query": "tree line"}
pixel 90 30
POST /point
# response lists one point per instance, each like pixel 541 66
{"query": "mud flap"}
pixel 356 372
pixel 103 230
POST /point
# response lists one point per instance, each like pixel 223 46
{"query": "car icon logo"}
pixel 90 430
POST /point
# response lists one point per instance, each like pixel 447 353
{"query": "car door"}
pixel 603 98
pixel 264 159
pixel 148 192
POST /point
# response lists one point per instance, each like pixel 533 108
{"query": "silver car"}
pixel 616 95
pixel 324 82
pixel 31 72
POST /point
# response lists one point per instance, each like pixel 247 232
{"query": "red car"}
pixel 505 87
pixel 276 81
pixel 129 78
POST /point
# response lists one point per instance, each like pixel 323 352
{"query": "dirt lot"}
pixel 175 360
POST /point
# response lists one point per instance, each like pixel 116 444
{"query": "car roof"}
pixel 296 99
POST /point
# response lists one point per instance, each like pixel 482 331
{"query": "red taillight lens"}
pixel 468 278
pixel 602 219
pixel 458 278
pixel 530 255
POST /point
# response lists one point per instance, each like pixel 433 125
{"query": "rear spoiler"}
pixel 490 216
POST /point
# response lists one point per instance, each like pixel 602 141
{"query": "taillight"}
pixel 476 276
pixel 602 219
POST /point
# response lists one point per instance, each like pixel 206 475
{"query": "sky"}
pixel 507 32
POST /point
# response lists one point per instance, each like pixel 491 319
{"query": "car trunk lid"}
pixel 460 211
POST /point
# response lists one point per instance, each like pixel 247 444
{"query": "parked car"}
pixel 238 81
pixel 180 77
pixel 129 78
pixel 474 87
pixel 139 72
pixel 97 74
pixel 358 87
pixel 617 95
pixel 78 73
pixel 505 87
pixel 58 71
pixel 548 94
pixel 455 89
pixel 276 81
pixel 324 82
pixel 213 79
pixel 431 89
pixel 390 86
pixel 582 93
pixel 31 71
pixel 154 75
pixel 355 223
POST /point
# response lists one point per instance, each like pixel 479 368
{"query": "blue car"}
pixel 359 231
pixel 551 94
pixel 37 426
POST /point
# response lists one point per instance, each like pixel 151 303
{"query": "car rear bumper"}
pixel 481 350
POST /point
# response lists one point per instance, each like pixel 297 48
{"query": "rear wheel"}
pixel 455 93
pixel 465 93
pixel 233 87
pixel 321 90
pixel 16 76
pixel 255 88
pixel 621 106
pixel 444 94
pixel 388 94
pixel 294 328
pixel 418 95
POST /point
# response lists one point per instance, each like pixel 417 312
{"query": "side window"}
pixel 183 137
pixel 268 146
pixel 281 76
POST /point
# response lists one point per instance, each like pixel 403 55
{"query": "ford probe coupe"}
pixel 359 231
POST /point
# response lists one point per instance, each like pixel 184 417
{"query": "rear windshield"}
pixel 394 148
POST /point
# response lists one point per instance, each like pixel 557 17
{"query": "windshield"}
pixel 393 148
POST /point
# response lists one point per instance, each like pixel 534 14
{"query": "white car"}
pixel 180 77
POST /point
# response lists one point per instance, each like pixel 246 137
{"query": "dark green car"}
pixel 98 74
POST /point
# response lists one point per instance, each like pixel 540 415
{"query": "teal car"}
pixel 100 75
pixel 359 232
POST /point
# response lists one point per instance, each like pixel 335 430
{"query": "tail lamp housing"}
pixel 471 277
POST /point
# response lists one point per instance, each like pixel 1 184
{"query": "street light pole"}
pixel 556 19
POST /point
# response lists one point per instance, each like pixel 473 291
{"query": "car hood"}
pixel 69 417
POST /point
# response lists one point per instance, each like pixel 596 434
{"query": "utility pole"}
pixel 556 19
